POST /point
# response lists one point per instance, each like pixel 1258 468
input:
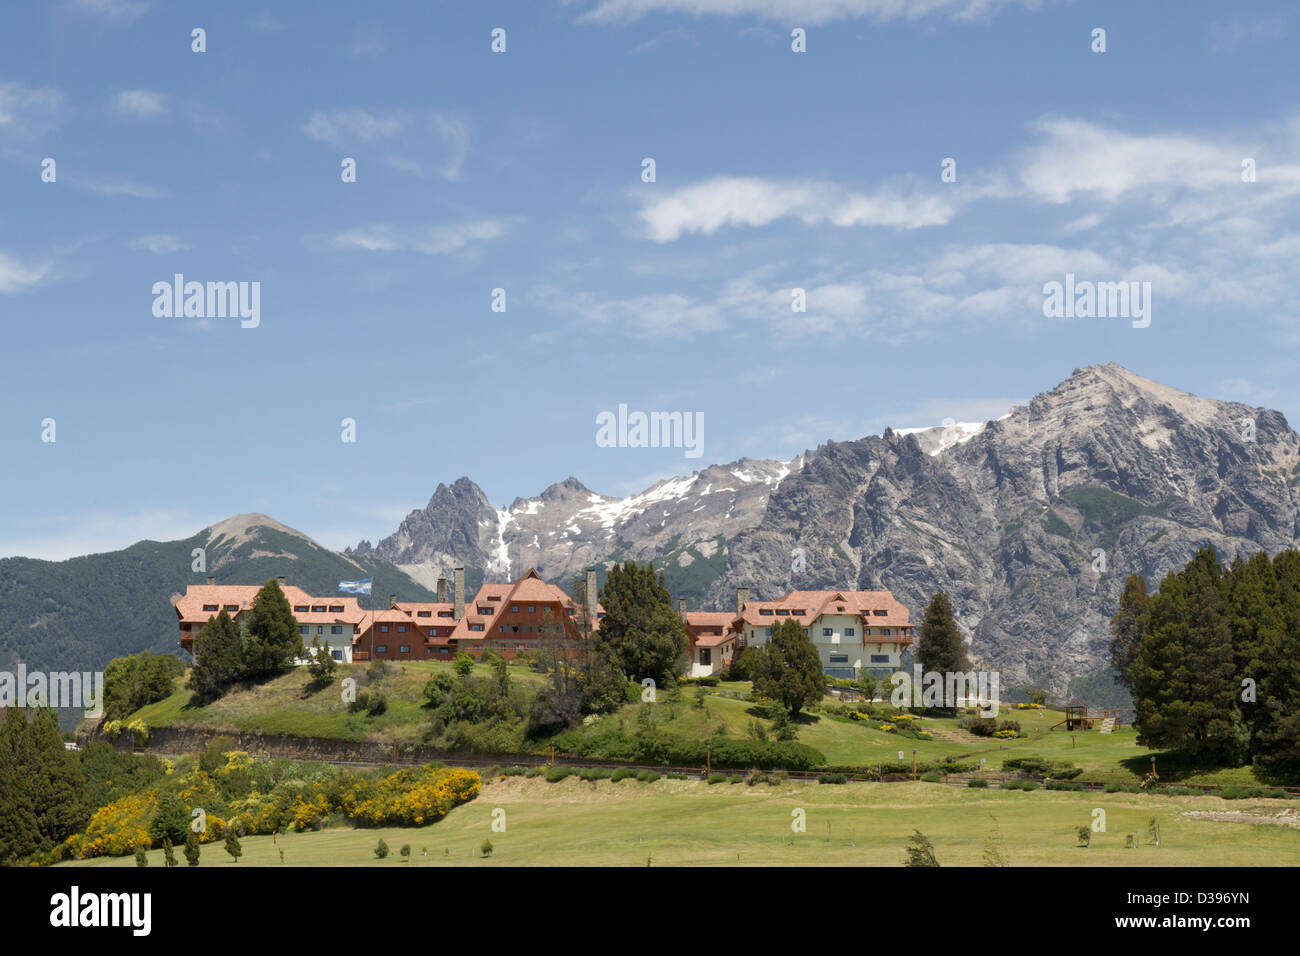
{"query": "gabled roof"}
pixel 814 604
pixel 189 606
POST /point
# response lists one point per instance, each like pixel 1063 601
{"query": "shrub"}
pixel 1063 785
pixel 755 777
pixel 1028 785
pixel 777 778
pixel 1113 787
pixel 983 726
pixel 646 776
pixel 716 778
pixel 557 773
pixel 977 782
pixel 381 849
pixel 622 773
pixel 735 778
pixel 1010 725
pixel 931 777
pixel 832 778
pixel 1013 785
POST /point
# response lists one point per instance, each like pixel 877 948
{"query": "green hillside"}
pixel 81 613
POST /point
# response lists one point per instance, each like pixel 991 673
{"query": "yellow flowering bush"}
pixel 117 828
pixel 888 728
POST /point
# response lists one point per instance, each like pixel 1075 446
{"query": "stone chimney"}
pixel 281 579
pixel 392 599
pixel 681 606
pixel 211 581
pixel 458 611
pixel 742 595
pixel 442 590
pixel 589 605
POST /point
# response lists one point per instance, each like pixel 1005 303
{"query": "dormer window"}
pixel 782 612
pixel 765 612
pixel 336 608
pixel 879 613
pixel 209 607
pixel 300 609
pixel 318 608
pixel 423 614
pixel 232 607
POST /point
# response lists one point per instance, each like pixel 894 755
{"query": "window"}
pixel 336 629
pixel 532 609
pixel 302 628
pixel 884 631
pixel 769 632
pixel 383 628
pixel 848 632
pixel 781 612
pixel 428 650
pixel 827 631
pixel 880 658
pixel 336 608
pixel 514 609
pixel 422 613
pixel 494 597
pixel 805 632
pixel 839 658
pixel 320 628
pixel 879 613
pixel 433 632
pixel 839 673
pixel 798 613
pixel 299 609
pixel 401 629
pixel 318 608
pixel 484 610
pixel 337 655
pixel 706 657
pixel 840 609
pixel 405 649
pixel 209 607
pixel 476 627
pixel 232 607
pixel 446 614
pixel 381 649
pixel 765 611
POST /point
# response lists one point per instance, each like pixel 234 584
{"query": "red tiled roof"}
pixel 189 607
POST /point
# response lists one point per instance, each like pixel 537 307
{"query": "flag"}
pixel 356 587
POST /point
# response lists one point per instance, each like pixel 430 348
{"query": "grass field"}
pixel 691 823
pixel 286 705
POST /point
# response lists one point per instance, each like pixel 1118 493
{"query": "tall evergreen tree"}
pixel 272 642
pixel 218 658
pixel 940 647
pixel 42 788
pixel 641 630
pixel 1271 659
pixel 1128 626
pixel 1184 672
pixel 788 668
pixel 192 848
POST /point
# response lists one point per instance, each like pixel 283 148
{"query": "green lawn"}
pixel 576 823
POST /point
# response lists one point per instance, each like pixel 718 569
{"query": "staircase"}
pixel 1108 725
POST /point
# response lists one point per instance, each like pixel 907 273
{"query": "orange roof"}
pixel 813 604
pixel 189 607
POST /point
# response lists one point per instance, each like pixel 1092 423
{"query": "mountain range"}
pixel 1029 523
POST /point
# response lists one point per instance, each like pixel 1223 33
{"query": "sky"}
pixel 523 170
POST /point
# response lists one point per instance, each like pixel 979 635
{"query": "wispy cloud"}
pixel 159 243
pixel 28 110
pixel 802 11
pixel 119 187
pixel 18 276
pixel 354 125
pixel 431 241
pixel 142 104
pixel 708 206
pixel 112 10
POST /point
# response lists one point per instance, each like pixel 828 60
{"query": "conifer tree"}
pixel 169 853
pixel 42 789
pixel 642 630
pixel 273 642
pixel 940 647
pixel 192 849
pixel 232 844
pixel 218 660
pixel 1128 626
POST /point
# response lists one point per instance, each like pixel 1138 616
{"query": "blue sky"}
pixel 521 170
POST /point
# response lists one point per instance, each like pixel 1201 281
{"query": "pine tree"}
pixel 42 789
pixel 1270 656
pixel 1184 681
pixel 641 629
pixel 192 848
pixel 940 648
pixel 218 660
pixel 1128 626
pixel 232 844
pixel 273 641
pixel 140 858
pixel 788 668
pixel 171 819
pixel 169 853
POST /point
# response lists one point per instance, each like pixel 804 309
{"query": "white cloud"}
pixel 142 104
pixel 662 315
pixel 159 243
pixel 750 201
pixel 340 126
pixel 455 134
pixel 27 110
pixel 17 276
pixel 120 187
pixel 432 241
pixel 812 12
